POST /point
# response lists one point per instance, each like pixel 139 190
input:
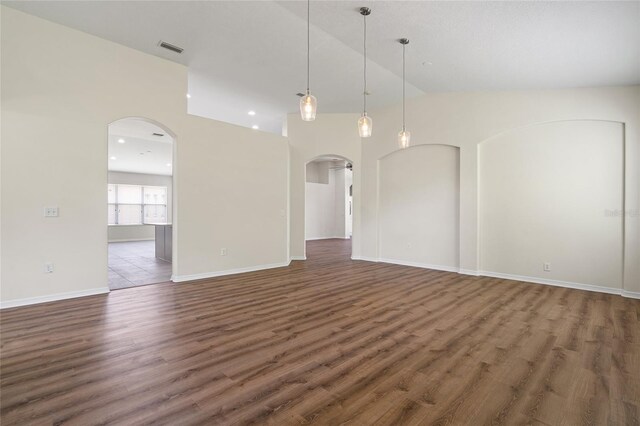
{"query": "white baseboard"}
pixel 298 257
pixel 192 277
pixel 130 240
pixel 630 294
pixel 534 280
pixel 407 263
pixel 103 290
pixel 420 265
pixel 365 258
pixel 52 297
pixel 556 283
pixel 328 238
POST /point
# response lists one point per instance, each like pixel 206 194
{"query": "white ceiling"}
pixel 141 152
pixel 251 55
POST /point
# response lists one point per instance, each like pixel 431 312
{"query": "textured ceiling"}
pixel 251 55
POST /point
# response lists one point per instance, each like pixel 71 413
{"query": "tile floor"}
pixel 133 264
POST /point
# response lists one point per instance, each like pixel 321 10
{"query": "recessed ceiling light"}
pixel 252 113
pixel 112 158
pixel 255 127
pixel 121 140
pixel 188 96
pixel 168 164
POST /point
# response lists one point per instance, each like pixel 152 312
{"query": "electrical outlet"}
pixel 48 268
pixel 223 252
pixel 50 212
pixel 546 267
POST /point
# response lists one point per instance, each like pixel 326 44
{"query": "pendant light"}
pixel 308 103
pixel 404 137
pixel 364 122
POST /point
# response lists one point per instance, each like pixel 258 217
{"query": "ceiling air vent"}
pixel 170 46
pixel 157 134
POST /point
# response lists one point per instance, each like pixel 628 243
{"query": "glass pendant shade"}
pixel 308 106
pixel 404 139
pixel 364 126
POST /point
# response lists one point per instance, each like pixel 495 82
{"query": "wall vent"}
pixel 170 46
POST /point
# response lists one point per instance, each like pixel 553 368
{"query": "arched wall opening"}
pixel 551 203
pixel 328 207
pixel 141 202
pixel 419 207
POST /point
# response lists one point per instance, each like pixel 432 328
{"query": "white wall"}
pixel 348 206
pixel 545 191
pixel 339 176
pixel 419 207
pixel 63 86
pixel 325 208
pixel 330 134
pixel 320 210
pixel 318 172
pixel 139 232
pixel 466 120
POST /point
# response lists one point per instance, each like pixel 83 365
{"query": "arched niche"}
pixel 552 194
pixel 419 206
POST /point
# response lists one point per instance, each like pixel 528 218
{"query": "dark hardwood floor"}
pixel 325 341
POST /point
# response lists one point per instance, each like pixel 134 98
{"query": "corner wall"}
pixel 60 90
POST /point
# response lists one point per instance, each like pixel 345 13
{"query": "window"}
pixel 136 204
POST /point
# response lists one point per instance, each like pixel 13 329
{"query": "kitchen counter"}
pixel 164 243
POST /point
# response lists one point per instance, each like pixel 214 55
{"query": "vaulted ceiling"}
pixel 251 55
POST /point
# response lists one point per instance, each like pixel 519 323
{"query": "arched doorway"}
pixel 140 203
pixel 329 202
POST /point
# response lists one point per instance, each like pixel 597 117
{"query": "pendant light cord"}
pixel 308 43
pixel 364 93
pixel 403 86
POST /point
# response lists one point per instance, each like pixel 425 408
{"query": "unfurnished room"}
pixel 319 212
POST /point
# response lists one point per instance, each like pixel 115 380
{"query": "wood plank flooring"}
pixel 325 341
